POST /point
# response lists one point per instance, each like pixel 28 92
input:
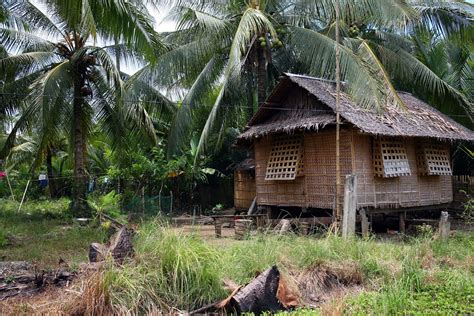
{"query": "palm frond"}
pixel 183 118
pixel 17 41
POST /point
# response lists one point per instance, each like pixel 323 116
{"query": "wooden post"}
pixel 401 222
pixel 444 226
pixel 338 118
pixel 364 223
pixel 350 206
pixel 242 228
pixel 218 226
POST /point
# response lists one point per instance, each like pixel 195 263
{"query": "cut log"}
pixel 119 247
pixel 260 295
pixel 97 252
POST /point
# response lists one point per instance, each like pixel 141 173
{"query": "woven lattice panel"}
pixel 285 157
pixel 433 159
pixel 390 158
pixel 300 170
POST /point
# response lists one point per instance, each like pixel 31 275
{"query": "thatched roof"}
pixel 418 120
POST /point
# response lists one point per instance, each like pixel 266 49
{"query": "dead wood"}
pixel 20 278
pixel 268 292
pixel 119 247
pixel 260 295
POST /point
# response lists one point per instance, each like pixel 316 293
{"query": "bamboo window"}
pixel 390 158
pixel 286 158
pixel 433 159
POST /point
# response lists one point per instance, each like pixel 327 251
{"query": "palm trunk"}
pixel 51 179
pixel 261 75
pixel 80 207
pixel 250 73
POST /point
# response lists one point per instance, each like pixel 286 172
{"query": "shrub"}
pixel 171 269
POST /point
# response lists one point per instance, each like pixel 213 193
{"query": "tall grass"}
pixel 175 270
pixel 171 270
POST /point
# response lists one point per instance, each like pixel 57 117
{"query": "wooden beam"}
pixel 364 223
pixel 408 209
pixel 401 222
pixel 350 206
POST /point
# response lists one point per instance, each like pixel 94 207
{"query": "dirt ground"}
pixel 207 233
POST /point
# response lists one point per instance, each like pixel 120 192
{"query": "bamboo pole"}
pixel 24 194
pixel 338 118
pixel 10 187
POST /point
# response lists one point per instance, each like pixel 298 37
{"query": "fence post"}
pixel 444 226
pixel 350 206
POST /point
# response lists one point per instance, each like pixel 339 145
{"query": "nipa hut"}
pixel 401 156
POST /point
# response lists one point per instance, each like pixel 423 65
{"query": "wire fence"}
pixel 149 205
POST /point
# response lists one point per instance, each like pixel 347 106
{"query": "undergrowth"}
pixel 171 270
pixel 177 270
pixel 174 270
pixel 42 233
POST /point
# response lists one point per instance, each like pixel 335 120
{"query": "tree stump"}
pixel 97 252
pixel 119 247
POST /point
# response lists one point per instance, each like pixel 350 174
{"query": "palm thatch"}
pixel 418 119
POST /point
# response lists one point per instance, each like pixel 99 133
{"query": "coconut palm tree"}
pixel 234 46
pixel 66 77
pixel 452 59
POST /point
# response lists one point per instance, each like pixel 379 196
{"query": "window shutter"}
pixel 433 159
pixel 286 158
pixel 390 158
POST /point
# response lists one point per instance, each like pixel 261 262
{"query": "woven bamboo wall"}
pixel 317 187
pixel 244 189
pixel 404 191
pixel 320 167
pixel 276 192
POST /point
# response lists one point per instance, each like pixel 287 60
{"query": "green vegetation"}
pixel 43 233
pixel 183 271
pixel 125 144
pixel 70 111
pixel 173 269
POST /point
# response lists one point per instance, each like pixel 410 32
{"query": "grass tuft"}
pixel 171 270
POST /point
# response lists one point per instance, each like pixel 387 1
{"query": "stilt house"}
pixel 401 157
